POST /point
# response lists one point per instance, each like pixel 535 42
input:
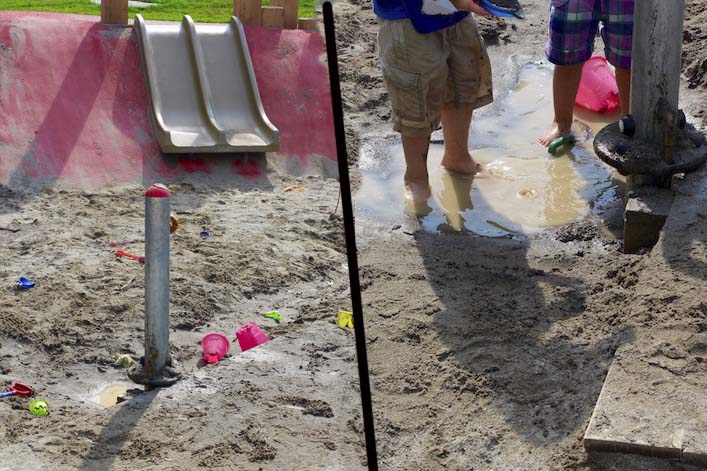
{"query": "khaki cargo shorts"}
pixel 425 72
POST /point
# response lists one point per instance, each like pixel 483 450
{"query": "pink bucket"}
pixel 215 347
pixel 250 336
pixel 598 90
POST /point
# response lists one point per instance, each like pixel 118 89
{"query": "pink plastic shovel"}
pixel 250 336
pixel 215 347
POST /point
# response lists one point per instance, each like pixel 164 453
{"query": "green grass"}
pixel 206 11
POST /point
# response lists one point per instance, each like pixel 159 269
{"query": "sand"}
pixel 292 400
pixel 490 353
pixel 484 353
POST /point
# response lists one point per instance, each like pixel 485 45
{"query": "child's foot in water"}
pixel 555 132
pixel 465 166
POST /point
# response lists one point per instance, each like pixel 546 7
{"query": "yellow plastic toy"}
pixel 345 320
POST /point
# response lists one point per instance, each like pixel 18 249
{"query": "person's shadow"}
pixel 685 230
pixel 498 322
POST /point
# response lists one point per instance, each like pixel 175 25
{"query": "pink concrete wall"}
pixel 73 106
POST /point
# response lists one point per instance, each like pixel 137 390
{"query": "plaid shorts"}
pixel 574 25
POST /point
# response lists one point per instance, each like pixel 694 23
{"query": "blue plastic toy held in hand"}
pixel 505 12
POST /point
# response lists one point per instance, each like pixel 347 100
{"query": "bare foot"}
pixel 555 132
pixel 466 167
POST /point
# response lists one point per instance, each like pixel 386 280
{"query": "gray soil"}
pixel 491 353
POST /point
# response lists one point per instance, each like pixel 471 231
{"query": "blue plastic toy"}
pixel 496 10
pixel 25 283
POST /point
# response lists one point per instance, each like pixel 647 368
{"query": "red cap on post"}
pixel 157 191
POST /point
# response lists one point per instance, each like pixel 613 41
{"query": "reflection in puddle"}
pixel 111 394
pixel 522 188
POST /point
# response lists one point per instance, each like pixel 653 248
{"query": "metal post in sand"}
pixel 656 61
pixel 654 142
pixel 156 368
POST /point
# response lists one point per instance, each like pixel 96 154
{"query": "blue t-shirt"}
pixel 412 10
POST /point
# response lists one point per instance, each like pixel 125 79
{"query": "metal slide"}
pixel 202 89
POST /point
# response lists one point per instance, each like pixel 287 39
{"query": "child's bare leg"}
pixel 417 186
pixel 565 84
pixel 456 123
pixel 623 79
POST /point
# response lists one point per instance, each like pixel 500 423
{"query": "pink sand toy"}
pixel 598 90
pixel 215 347
pixel 250 336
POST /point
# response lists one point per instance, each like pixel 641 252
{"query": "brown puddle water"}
pixel 522 190
pixel 108 395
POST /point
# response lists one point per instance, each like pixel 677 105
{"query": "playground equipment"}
pixel 653 142
pixel 114 12
pixel 215 105
pixel 156 370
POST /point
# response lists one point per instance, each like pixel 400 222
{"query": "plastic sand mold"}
pixel 204 234
pixel 25 283
pixel 345 320
pixel 274 315
pixel 39 408
pixel 125 360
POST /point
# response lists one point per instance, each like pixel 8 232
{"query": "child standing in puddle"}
pixel 435 68
pixel 573 27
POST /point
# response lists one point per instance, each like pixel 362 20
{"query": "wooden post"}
pixel 273 17
pixel 655 74
pixel 291 9
pixel 114 12
pixel 248 11
pixel 309 24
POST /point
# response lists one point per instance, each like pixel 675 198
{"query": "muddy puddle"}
pixel 108 395
pixel 522 190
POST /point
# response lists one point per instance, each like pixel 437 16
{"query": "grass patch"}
pixel 205 11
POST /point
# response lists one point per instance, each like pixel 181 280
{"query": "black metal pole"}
pixel 350 232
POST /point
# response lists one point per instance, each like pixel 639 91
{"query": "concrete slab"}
pixel 654 399
pixel 646 212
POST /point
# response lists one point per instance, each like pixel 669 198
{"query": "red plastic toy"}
pixel 121 253
pixel 18 389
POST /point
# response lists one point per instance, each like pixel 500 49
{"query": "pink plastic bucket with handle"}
pixel 215 347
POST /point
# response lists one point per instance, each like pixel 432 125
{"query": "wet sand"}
pixel 489 353
pixel 293 400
